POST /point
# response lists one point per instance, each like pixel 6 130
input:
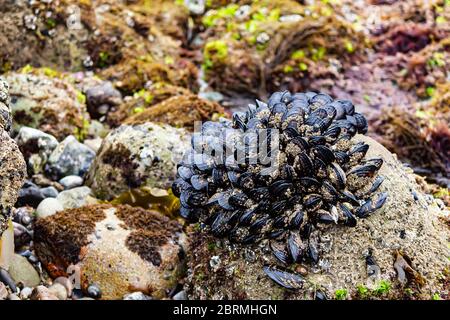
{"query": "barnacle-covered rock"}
pixel 119 249
pixel 362 261
pixel 136 156
pixel 12 175
pixel 49 104
pixel 282 171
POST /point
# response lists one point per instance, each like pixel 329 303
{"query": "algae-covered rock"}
pixel 180 111
pixel 49 104
pixel 136 156
pixel 408 232
pixel 119 249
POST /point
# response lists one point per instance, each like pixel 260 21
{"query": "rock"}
pixel 179 111
pixel 25 293
pixel 94 144
pixel 50 192
pixel 13 296
pixel 182 295
pixel 101 98
pixel 76 197
pixel 66 283
pixel 59 291
pixel 414 227
pixel 23 272
pixel 48 207
pixel 94 291
pixel 49 104
pixel 30 195
pixel 69 158
pixel 12 165
pixel 71 182
pixel 136 296
pixel 3 292
pixel 22 235
pixel 136 156
pixel 119 249
pixel 7 280
pixel 36 146
pixel 43 293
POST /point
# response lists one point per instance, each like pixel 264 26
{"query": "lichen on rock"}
pixel 136 156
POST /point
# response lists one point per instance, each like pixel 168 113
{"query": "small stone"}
pixel 94 144
pixel 215 263
pixel 70 158
pixel 180 295
pixel 21 235
pixel 43 293
pixel 23 272
pixel 48 207
pixel 136 296
pixel 36 146
pixel 66 283
pixel 3 291
pixel 101 98
pixel 25 293
pixel 30 195
pixel 76 197
pixel 13 296
pixel 59 291
pixel 7 280
pixel 71 182
pixel 50 192
pixel 94 291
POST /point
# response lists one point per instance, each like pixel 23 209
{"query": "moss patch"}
pixel 53 231
pixel 153 230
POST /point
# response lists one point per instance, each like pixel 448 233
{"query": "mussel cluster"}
pixel 318 176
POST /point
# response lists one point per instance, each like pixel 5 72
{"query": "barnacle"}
pixel 280 172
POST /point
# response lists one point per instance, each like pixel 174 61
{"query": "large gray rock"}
pixel 409 231
pixel 137 156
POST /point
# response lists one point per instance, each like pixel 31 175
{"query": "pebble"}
pixel 59 291
pixel 66 283
pixel 94 144
pixel 94 291
pixel 101 98
pixel 48 207
pixel 25 293
pixel 30 195
pixel 71 182
pixel 75 198
pixel 21 235
pixel 136 296
pixel 7 280
pixel 43 293
pixel 13 296
pixel 69 158
pixel 3 291
pixel 180 295
pixel 23 272
pixel 50 192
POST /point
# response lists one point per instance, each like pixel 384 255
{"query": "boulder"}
pixel 49 104
pixel 118 249
pixel 407 239
pixel 136 156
